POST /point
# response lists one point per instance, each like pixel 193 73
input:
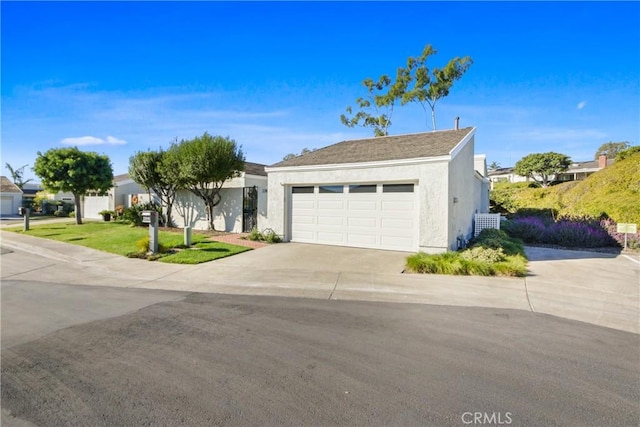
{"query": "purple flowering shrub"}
pixel 530 229
pixel 568 233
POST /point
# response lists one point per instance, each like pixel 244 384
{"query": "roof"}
pixel 397 147
pixel 6 186
pixel 254 169
pixel 500 171
pixel 588 165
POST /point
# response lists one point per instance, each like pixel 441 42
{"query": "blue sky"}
pixel 122 77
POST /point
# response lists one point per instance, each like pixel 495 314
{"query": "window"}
pixel 397 188
pixel 302 190
pixel 369 188
pixel 331 189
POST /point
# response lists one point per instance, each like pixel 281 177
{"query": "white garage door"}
pixel 6 206
pixel 380 216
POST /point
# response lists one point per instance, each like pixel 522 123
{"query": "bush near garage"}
pixel 491 253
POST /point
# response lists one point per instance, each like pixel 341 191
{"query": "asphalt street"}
pixel 163 358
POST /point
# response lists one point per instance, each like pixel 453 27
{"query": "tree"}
pixel 430 86
pixel 304 151
pixel 413 83
pixel 628 153
pixel 377 109
pixel 74 171
pixel 157 171
pixel 17 175
pixel 542 167
pixel 205 163
pixel 494 165
pixel 611 149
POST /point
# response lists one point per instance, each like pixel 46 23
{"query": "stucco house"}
pixel 120 194
pixel 243 204
pixel 10 197
pixel 416 192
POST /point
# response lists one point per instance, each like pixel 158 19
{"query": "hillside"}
pixel 614 191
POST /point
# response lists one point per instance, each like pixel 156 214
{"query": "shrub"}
pixel 573 233
pixel 143 246
pixel 482 254
pixel 529 229
pixel 268 235
pixel 133 215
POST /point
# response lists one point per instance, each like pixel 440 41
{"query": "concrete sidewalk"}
pixel 314 271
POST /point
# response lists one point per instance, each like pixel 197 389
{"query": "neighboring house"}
pixel 10 197
pixel 405 192
pixel 577 171
pixel 243 204
pixel 505 175
pixel 119 195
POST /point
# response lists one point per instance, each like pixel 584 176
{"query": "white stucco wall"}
pixel 189 209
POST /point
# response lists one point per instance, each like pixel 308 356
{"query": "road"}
pixel 115 356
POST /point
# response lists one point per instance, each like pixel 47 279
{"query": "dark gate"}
pixel 249 209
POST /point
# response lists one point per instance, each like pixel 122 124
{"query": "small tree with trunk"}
pixel 74 171
pixel 542 167
pixel 157 171
pixel 204 164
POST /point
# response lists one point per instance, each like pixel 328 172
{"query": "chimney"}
pixel 602 161
pixel 457 126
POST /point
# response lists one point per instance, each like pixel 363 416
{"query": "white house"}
pixel 405 192
pixel 119 195
pixel 10 197
pixel 243 204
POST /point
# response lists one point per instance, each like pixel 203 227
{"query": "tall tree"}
pixel 413 83
pixel 429 86
pixel 542 167
pixel 157 171
pixel 205 163
pixel 376 109
pixel 17 175
pixel 494 165
pixel 74 171
pixel 304 151
pixel 611 149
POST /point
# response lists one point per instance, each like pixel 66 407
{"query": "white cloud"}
pixel 92 140
pixel 581 105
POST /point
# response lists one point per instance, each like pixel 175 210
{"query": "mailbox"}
pixel 146 217
pixel 22 211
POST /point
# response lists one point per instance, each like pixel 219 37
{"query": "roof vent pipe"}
pixel 457 127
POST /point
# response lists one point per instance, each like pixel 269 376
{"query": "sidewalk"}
pixel 611 304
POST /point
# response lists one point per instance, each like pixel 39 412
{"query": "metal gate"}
pixel 249 209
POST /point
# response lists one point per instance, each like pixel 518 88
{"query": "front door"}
pixel 249 209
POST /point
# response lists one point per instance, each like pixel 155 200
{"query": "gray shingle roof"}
pixel 6 186
pixel 397 147
pixel 254 169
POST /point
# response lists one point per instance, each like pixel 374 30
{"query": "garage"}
pixel 413 192
pixel 6 206
pixel 379 216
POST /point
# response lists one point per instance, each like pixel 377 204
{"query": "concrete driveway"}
pixel 301 256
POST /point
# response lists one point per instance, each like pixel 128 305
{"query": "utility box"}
pixel 151 218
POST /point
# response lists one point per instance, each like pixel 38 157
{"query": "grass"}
pixel 119 238
pixel 613 191
pixel 492 253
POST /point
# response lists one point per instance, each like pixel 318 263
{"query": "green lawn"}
pixel 119 238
